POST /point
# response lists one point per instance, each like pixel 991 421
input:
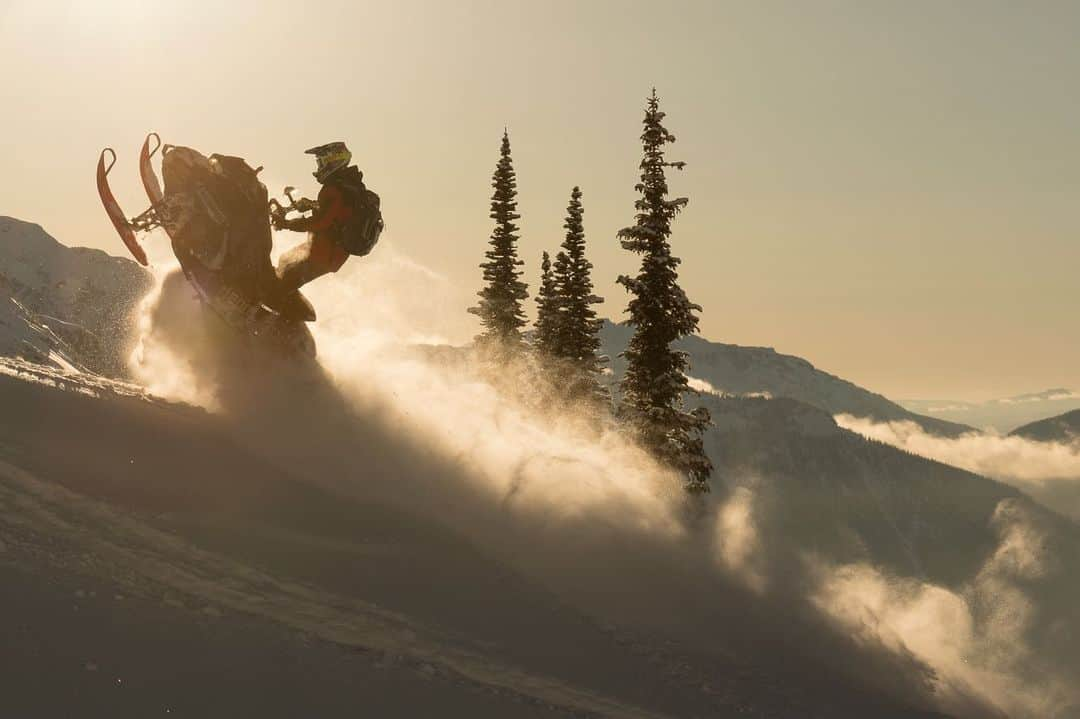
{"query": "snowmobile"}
pixel 217 215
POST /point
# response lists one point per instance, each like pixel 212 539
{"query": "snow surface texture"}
pixel 592 517
pixel 60 526
pixel 24 334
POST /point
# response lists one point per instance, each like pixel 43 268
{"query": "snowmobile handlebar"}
pixel 278 211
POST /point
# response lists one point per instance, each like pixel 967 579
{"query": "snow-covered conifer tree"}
pixel 655 381
pixel 547 311
pixel 499 309
pixel 577 341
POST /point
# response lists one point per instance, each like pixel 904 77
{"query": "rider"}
pixel 346 221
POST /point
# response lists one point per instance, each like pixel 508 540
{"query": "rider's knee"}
pixel 327 255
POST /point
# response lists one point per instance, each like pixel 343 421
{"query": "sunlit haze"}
pixel 890 190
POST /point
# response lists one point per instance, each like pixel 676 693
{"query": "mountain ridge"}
pixel 1063 428
pixel 739 370
pixel 85 296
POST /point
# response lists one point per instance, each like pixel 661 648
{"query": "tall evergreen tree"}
pixel 499 309
pixel 578 342
pixel 547 311
pixel 655 382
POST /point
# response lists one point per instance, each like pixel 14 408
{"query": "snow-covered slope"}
pixel 25 335
pixel 762 370
pixel 85 297
pixel 179 515
pixel 137 512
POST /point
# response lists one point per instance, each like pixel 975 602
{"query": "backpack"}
pixel 358 233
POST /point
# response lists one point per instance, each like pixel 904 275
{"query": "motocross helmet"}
pixel 330 157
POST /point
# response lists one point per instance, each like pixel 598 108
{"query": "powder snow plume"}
pixel 372 319
pixel 383 328
pixel 991 646
pixel 977 639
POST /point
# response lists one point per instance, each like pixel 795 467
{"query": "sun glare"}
pixel 72 19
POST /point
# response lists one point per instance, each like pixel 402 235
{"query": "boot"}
pixel 293 306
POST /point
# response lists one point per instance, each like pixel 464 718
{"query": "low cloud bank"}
pixel 1048 471
pixel 704 386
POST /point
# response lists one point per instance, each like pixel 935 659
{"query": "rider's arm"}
pixel 330 206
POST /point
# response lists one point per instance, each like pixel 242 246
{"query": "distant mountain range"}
pixel 999 415
pixel 1062 428
pixel 736 370
pixel 65 305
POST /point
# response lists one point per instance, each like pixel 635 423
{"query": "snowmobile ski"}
pixel 112 208
pixel 146 170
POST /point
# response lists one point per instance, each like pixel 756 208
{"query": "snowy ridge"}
pixel 1062 428
pixel 83 297
pixel 762 371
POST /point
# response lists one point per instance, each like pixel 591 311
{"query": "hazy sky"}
pixel 888 189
